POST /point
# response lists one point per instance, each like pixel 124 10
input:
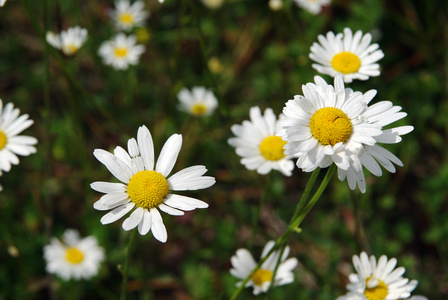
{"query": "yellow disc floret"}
pixel 330 126
pixel 272 148
pixel 261 276
pixel 378 292
pixel 126 19
pixel 121 52
pixel 198 109
pixel 346 62
pixel 3 140
pixel 147 189
pixel 74 255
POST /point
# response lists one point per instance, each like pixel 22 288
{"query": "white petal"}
pixel 168 155
pixel 146 147
pixel 157 226
pixel 134 219
pixel 117 213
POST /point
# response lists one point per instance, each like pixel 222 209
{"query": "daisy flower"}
pixel 199 102
pixel 127 16
pixel 145 189
pixel 313 6
pixel 256 142
pixel 121 51
pixel 243 264
pixel 213 4
pixel 12 144
pixel 69 41
pixel 74 257
pixel 351 56
pixel 335 125
pixel 377 280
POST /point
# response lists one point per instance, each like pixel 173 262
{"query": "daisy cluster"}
pixel 122 50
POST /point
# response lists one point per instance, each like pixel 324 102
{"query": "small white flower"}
pixel 243 264
pixel 127 16
pixel 378 281
pixel 69 41
pixel 275 4
pixel 256 142
pixel 213 4
pixel 74 258
pixel 2 2
pixel 121 51
pixel 313 6
pixel 12 144
pixel 332 124
pixel 351 56
pixel 199 102
pixel 145 188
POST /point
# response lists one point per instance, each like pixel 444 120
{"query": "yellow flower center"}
pixel 3 140
pixel 74 255
pixel 70 49
pixel 198 109
pixel 261 276
pixel 126 19
pixel 378 292
pixel 121 52
pixel 330 126
pixel 272 148
pixel 147 189
pixel 346 62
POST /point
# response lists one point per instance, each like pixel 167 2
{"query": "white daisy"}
pixel 213 4
pixel 199 102
pixel 121 51
pixel 335 125
pixel 127 16
pixel 2 2
pixel 74 257
pixel 256 142
pixel 69 41
pixel 12 144
pixel 145 188
pixel 351 56
pixel 377 281
pixel 313 6
pixel 243 264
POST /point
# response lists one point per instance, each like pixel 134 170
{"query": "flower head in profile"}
pixel 197 102
pixel 68 41
pixel 333 124
pixel 378 280
pixel 12 144
pixel 146 187
pixel 256 142
pixel 127 16
pixel 313 6
pixel 74 257
pixel 243 264
pixel 348 55
pixel 213 4
pixel 121 51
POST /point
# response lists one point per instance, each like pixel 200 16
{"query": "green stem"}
pixel 126 264
pixel 292 227
pixel 256 217
pixel 306 193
